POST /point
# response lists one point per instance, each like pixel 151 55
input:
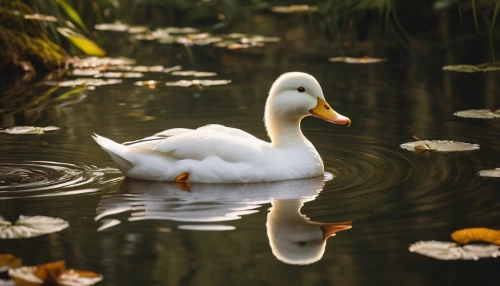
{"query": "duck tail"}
pixel 118 152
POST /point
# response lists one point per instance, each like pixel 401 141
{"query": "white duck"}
pixel 219 154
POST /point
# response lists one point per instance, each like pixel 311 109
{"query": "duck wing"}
pixel 229 144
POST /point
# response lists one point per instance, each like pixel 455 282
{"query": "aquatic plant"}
pixel 31 40
pixel 24 41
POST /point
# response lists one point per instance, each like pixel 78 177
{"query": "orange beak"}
pixel 324 111
pixel 330 229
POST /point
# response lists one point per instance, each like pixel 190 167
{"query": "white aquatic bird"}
pixel 219 154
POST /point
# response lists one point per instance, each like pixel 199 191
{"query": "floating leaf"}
pixel 171 69
pixel 85 82
pixel 207 41
pixel 93 62
pixel 259 39
pixel 53 273
pixel 178 30
pixel 187 83
pixel 471 68
pixel 117 27
pixel 193 73
pixel 490 173
pixel 363 60
pixel 29 130
pixel 149 83
pixel 85 45
pixel 8 261
pixel 294 9
pixel 84 72
pixel 450 251
pixel 438 145
pixel 137 29
pixel 147 68
pixel 119 75
pixel 478 113
pixel 40 17
pixel 30 226
pixel 145 37
pixel 199 36
pixel 464 236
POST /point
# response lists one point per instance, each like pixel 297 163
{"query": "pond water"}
pixel 153 233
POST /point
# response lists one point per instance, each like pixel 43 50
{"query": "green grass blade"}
pixel 473 2
pixel 72 14
pixel 495 13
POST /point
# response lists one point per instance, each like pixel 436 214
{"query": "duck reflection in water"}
pixel 294 238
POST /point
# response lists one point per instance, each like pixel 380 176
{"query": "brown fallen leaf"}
pixel 8 261
pixel 52 273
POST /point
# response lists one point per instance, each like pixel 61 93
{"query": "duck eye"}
pixel 301 89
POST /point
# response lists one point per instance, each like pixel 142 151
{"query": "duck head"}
pixel 293 96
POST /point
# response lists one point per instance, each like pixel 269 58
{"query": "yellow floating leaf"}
pixel 464 236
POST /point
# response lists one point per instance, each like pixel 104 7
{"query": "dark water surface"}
pixel 153 233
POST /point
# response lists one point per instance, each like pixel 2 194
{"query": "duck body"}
pixel 219 154
pixel 213 154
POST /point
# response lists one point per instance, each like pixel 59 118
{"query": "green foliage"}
pixel 25 40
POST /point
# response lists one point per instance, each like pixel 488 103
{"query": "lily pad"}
pixel 438 145
pixel 443 250
pixel 149 83
pixel 363 60
pixel 171 69
pixel 84 72
pixel 486 67
pixel 40 17
pixel 193 73
pixel 30 226
pixel 119 75
pixel 85 82
pixel 117 27
pixel 8 261
pixel 137 29
pixel 157 68
pixel 294 9
pixel 490 173
pixel 195 82
pixel 53 273
pixel 93 62
pixel 29 130
pixel 178 30
pixel 478 113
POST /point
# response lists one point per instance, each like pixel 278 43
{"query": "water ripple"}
pixel 29 179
